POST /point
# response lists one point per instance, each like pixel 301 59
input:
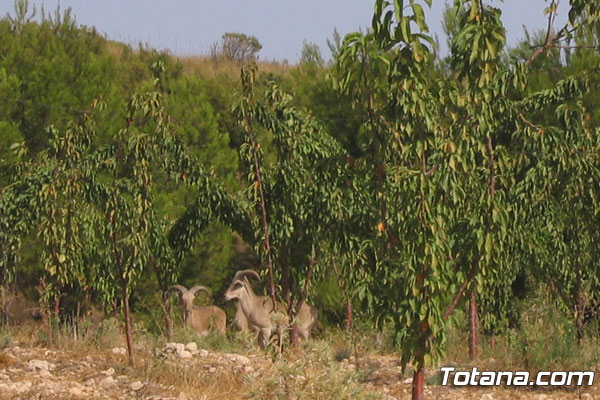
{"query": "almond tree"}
pixel 443 166
pixel 94 208
pixel 295 201
pixel 561 193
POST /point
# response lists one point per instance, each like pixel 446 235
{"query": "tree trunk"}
pixel 263 209
pixel 124 284
pixel 348 325
pixel 286 286
pixel 163 285
pixel 579 321
pixel 493 342
pixel 56 310
pixel 473 325
pixel 418 384
pixel 294 338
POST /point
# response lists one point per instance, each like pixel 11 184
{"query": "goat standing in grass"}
pixel 257 309
pixel 201 319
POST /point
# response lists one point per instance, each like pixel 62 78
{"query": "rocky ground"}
pixel 28 372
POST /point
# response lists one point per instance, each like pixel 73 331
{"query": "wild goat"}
pixel 257 309
pixel 240 319
pixel 201 319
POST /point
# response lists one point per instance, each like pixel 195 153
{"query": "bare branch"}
pixel 530 124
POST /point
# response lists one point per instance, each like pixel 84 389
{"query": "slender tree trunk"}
pixel 418 384
pixel 263 209
pixel 493 342
pixel 116 308
pixel 56 310
pixel 348 325
pixel 344 290
pixel 164 289
pixel 579 327
pixel 124 294
pixel 124 284
pixel 473 325
pixel 287 293
pixel 579 304
pixel 579 321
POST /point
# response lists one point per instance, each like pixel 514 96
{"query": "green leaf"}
pixel 419 16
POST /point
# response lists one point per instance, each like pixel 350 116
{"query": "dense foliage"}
pixel 419 184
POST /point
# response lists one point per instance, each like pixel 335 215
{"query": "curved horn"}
pixel 181 288
pixel 197 288
pixel 248 272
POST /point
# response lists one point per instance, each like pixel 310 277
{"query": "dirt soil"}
pixel 40 373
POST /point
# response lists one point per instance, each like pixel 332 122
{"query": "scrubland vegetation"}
pixel 435 209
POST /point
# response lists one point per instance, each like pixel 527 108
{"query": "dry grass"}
pixel 306 373
pixel 310 372
pixel 209 67
pixel 322 368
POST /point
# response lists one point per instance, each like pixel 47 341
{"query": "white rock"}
pixel 176 347
pixel 237 358
pixel 203 353
pixel 108 381
pixel 137 385
pixel 170 346
pixel 75 391
pixel 182 396
pixel 487 396
pixel 212 370
pixel 45 374
pixel 22 387
pixel 109 372
pixel 191 347
pixel 407 381
pixel 40 365
pixel 586 396
pixel 184 354
pixel 248 369
pixel 119 351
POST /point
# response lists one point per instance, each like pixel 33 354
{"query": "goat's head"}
pixel 239 284
pixel 188 296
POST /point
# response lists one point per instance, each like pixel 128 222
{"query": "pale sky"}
pixel 189 27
